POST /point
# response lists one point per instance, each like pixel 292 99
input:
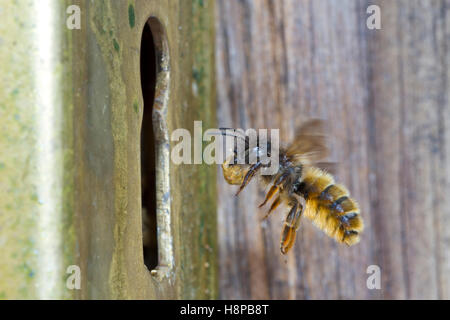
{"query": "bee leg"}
pixel 250 174
pixel 274 205
pixel 274 189
pixel 269 195
pixel 291 225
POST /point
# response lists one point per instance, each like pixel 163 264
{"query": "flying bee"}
pixel 300 183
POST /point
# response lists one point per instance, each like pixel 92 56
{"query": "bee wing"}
pixel 310 143
pixel 330 167
pixel 314 127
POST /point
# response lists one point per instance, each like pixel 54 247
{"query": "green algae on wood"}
pixel 116 45
pixel 131 16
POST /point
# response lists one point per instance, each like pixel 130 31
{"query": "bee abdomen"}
pixel 330 207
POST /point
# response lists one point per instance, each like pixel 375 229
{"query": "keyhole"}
pixel 155 151
pixel 148 152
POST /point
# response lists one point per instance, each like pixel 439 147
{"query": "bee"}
pixel 302 184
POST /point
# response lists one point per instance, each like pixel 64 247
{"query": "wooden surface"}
pixel 385 92
pixel 108 117
pixel 71 112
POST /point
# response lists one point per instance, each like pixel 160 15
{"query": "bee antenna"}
pixel 225 132
pixel 233 130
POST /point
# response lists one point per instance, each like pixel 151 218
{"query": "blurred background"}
pixel 385 94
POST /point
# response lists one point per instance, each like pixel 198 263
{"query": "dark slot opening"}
pixel 148 154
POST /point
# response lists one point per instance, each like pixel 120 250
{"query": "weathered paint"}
pixel 99 109
pixel 36 142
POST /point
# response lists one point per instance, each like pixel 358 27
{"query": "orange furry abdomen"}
pixel 330 208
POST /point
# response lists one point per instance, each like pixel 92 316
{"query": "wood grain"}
pixel 279 63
